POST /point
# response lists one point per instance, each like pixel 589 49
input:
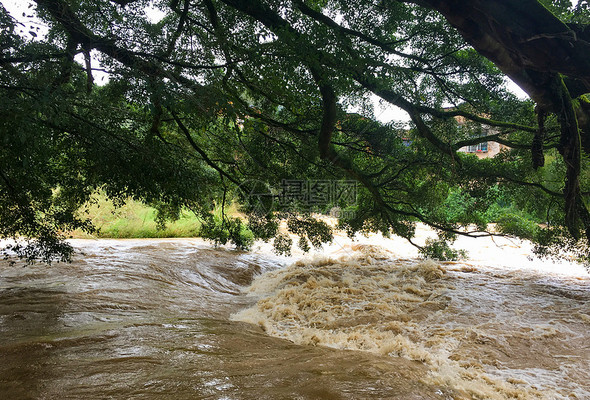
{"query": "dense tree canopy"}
pixel 222 100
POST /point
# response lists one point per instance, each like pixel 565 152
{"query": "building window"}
pixel 478 148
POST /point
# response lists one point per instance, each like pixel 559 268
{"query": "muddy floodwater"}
pixel 179 319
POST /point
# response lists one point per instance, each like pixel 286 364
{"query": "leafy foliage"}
pixel 223 101
pixel 440 250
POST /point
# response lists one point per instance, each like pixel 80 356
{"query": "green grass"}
pixel 133 220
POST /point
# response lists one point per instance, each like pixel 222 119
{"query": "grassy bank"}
pixel 133 220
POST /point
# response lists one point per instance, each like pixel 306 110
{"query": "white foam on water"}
pixel 485 331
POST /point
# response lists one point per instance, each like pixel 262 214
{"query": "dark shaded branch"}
pixel 537 144
pixel 583 214
pixel 157 116
pixel 179 28
pixel 89 77
pixel 412 110
pixel 570 149
pixel 328 119
pixel 123 3
pixel 64 15
pixel 293 148
pixel 448 114
pixel 495 138
pixel 196 147
pixel 185 64
pixel 7 182
pixel 438 226
pixel 532 184
pixel 324 19
pixel 67 64
pixel 248 111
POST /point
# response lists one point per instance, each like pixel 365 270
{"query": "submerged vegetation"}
pixel 221 101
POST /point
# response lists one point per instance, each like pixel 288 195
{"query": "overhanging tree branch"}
pixel 198 149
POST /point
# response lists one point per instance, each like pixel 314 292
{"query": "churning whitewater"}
pixel 483 334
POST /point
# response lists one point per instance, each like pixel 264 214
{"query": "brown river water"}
pixel 179 319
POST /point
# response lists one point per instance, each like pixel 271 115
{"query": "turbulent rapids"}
pixel 482 335
pixel 177 319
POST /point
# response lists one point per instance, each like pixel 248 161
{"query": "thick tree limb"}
pixel 494 138
pixel 523 39
pixel 452 113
